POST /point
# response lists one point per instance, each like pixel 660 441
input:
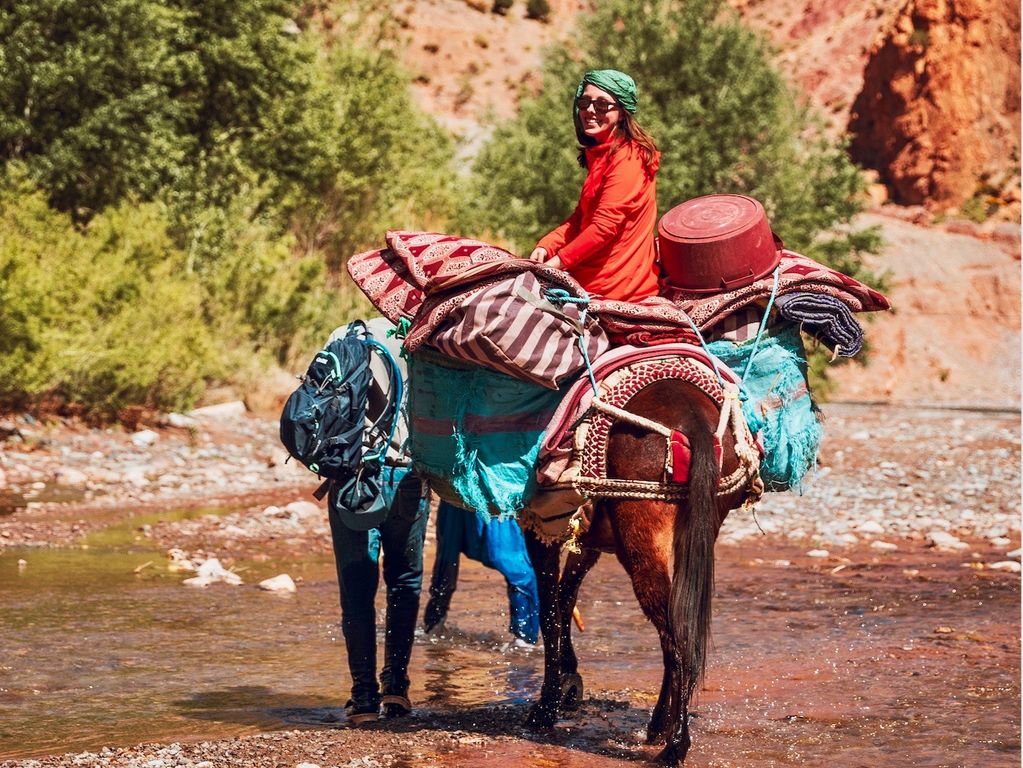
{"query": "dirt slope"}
pixel 953 335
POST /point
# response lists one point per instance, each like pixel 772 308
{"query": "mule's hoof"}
pixel 541 717
pixel 571 691
pixel 674 755
pixel 656 735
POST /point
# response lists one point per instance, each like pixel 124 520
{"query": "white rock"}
pixel 306 765
pixel 818 553
pixel 870 526
pixel 1006 565
pixel 211 571
pixel 180 421
pixel 1015 553
pixel 280 583
pixel 273 511
pixel 302 509
pixel 179 561
pixel 144 438
pixel 861 435
pixel 945 541
pixel 135 476
pixel 884 546
pixel 70 476
pixel 221 411
pixel 1001 541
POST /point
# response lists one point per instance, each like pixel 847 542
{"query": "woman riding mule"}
pixel 607 244
pixel 666 546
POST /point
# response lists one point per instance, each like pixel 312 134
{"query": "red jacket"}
pixel 607 244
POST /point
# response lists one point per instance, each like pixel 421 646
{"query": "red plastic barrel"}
pixel 716 243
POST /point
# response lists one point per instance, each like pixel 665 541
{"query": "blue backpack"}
pixel 323 423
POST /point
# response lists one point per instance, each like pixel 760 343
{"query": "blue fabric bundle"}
pixel 825 318
pixel 475 433
pixel 777 405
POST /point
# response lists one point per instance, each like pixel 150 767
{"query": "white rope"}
pixel 629 417
pixel 731 416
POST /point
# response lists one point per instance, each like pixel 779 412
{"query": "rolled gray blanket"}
pixel 825 318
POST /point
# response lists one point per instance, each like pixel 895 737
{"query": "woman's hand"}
pixel 538 255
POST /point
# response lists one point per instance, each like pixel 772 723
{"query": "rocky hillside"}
pixel 939 111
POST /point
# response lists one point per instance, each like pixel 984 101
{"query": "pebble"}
pixel 818 553
pixel 70 476
pixel 870 526
pixel 884 546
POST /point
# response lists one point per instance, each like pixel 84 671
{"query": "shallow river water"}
pixel 906 659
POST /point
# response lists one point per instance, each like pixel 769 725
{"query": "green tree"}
pixel 392 163
pixel 85 97
pixel 723 117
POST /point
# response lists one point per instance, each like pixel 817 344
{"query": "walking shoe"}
pixel 396 705
pixel 362 713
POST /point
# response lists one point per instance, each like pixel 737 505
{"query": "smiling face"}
pixel 597 123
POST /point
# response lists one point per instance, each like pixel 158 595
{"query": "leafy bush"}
pixel 210 166
pixel 501 7
pixel 538 9
pixel 107 316
pixel 390 162
pixel 115 314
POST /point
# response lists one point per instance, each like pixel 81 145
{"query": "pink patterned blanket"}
pixel 423 276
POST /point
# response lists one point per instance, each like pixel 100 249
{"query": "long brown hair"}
pixel 627 130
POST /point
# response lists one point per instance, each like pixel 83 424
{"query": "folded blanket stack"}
pixel 825 318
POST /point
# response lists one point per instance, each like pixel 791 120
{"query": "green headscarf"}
pixel 618 84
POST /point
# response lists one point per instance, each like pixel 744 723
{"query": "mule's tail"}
pixel 692 584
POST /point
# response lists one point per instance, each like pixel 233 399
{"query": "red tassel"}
pixel 681 456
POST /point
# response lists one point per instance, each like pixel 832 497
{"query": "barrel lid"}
pixel 710 217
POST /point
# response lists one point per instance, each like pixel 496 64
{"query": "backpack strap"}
pixel 394 400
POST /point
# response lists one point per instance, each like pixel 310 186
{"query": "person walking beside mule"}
pixel 386 517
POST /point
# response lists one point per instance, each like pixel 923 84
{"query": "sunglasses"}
pixel 600 106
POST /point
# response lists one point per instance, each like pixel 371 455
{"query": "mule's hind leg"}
pixel 643 534
pixel 576 568
pixel 546 560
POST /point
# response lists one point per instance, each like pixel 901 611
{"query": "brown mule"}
pixel 667 548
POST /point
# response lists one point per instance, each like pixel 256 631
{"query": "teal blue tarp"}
pixel 476 433
pixel 778 405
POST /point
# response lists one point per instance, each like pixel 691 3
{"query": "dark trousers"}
pixel 498 544
pixel 357 554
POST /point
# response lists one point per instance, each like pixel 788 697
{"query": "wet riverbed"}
pixel 860 660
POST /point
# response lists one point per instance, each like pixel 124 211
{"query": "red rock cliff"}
pixel 939 113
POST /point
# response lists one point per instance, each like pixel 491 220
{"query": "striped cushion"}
pixel 510 327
